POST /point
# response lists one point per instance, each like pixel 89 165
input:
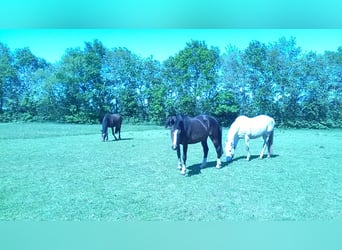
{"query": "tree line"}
pixel 297 88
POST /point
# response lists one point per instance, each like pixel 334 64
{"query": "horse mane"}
pixel 105 122
pixel 233 132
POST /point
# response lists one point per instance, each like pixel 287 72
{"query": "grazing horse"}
pixel 186 130
pixel 111 120
pixel 250 128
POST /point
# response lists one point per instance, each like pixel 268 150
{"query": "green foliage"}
pixel 224 107
pixel 299 89
pixel 7 75
pixel 191 77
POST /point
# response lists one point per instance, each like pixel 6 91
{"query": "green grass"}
pixel 57 172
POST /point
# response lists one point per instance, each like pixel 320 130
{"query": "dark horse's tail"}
pixel 217 136
pixel 220 139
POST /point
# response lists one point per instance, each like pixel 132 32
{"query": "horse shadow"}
pixel 253 157
pixel 122 139
pixel 195 169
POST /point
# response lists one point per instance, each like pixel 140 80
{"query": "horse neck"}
pixel 104 125
pixel 233 136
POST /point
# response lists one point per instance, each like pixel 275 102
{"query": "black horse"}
pixel 186 130
pixel 111 120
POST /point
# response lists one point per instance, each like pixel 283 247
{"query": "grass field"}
pixel 58 172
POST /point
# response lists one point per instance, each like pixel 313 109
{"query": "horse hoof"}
pixel 229 159
pixel 218 166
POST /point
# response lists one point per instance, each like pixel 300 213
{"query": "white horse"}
pixel 250 128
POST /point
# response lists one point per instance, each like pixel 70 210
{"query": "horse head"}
pixel 104 135
pixel 229 151
pixel 176 124
pixel 170 121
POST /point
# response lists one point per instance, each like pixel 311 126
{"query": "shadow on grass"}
pixel 253 157
pixel 195 169
pixel 122 139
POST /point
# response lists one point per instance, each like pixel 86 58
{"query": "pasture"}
pixel 62 172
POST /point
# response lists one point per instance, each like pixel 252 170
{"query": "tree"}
pixel 78 77
pixel 191 77
pixel 121 70
pixel 314 102
pixel 283 67
pixel 299 89
pixel 52 98
pixel 155 91
pixel 70 79
pixel 28 88
pixel 233 73
pixel 7 76
pixel 257 83
pixel 93 56
pixel 334 71
pixel 225 107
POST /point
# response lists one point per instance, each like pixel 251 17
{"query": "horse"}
pixel 250 128
pixel 111 120
pixel 187 130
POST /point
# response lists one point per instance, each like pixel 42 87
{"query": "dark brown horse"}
pixel 111 120
pixel 186 130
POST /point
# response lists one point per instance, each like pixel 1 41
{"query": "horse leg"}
pixel 185 148
pixel 119 130
pixel 264 146
pixel 247 147
pixel 179 158
pixel 113 133
pixel 269 144
pixel 205 153
pixel 218 147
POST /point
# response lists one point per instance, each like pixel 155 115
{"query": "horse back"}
pixel 208 120
pixel 202 126
pixel 115 120
pixel 254 127
pixel 112 120
pixel 266 121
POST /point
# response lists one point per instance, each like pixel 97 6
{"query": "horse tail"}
pixel 220 139
pixel 270 140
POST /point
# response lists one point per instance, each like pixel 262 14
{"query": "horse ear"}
pixel 170 121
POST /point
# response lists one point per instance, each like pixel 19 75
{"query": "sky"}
pixel 51 44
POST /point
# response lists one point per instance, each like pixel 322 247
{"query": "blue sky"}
pixel 51 44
